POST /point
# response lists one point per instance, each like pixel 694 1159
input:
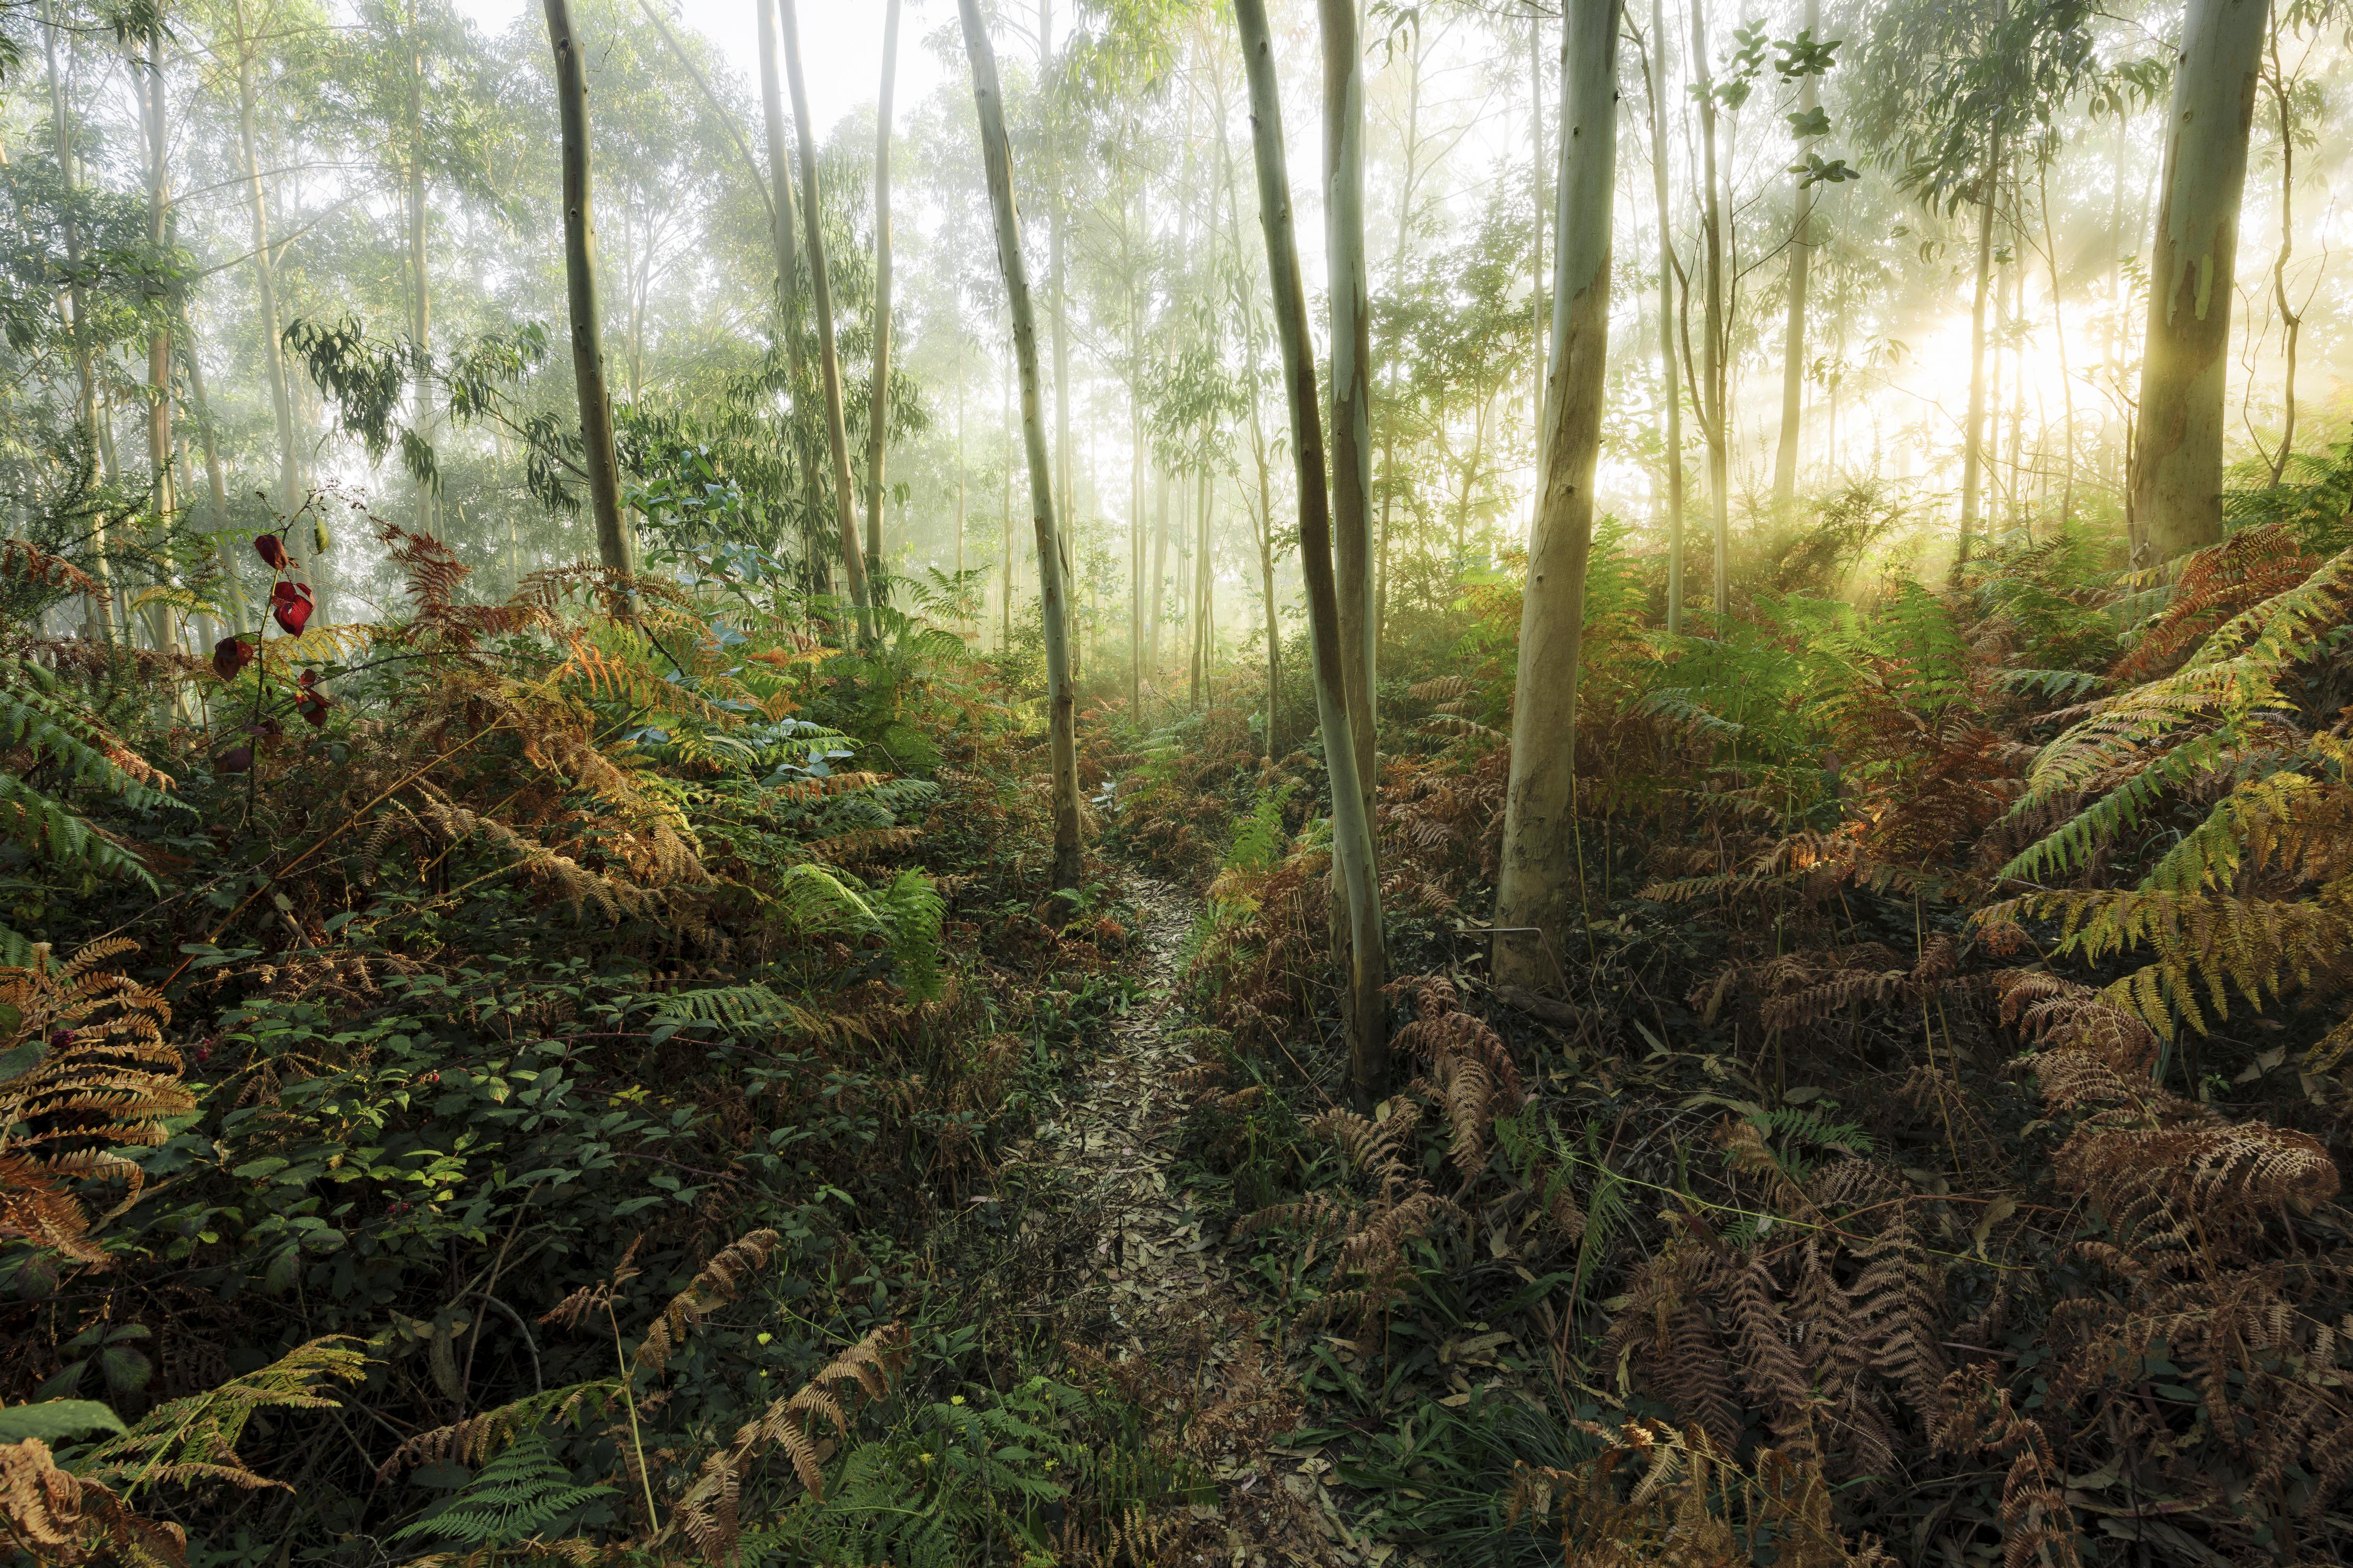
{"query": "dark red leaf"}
pixel 230 655
pixel 272 550
pixel 308 678
pixel 313 705
pixel 265 727
pixel 289 607
pixel 235 760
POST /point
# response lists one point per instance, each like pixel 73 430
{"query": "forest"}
pixel 1420 783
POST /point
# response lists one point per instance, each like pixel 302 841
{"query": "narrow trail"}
pixel 1158 1291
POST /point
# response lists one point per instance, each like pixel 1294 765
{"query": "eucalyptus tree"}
pixel 1949 92
pixel 243 39
pixel 1671 392
pixel 1351 378
pixel 406 91
pixel 613 545
pixel 107 614
pixel 2295 109
pixel 1712 402
pixel 996 152
pixel 1242 291
pixel 821 297
pixel 783 208
pixel 879 396
pixel 2176 479
pixel 1807 121
pixel 144 49
pixel 1352 832
pixel 1536 889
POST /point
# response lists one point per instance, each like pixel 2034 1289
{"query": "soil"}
pixel 1152 1291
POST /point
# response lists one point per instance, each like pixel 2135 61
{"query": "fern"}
pixel 2066 684
pixel 1258 837
pixel 44 729
pixel 515 1498
pixel 744 1007
pixel 84 1073
pixel 196 1438
pixel 906 915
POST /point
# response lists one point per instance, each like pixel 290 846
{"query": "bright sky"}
pixel 841 45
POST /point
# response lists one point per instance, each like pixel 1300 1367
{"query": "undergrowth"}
pixel 523 1079
pixel 1930 1149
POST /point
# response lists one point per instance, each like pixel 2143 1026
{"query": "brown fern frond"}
pixel 865 844
pixel 1198 1077
pixel 721 1281
pixel 706 1513
pixel 477 1438
pixel 55 1517
pixel 101 1079
pixel 804 790
pixel 574 1309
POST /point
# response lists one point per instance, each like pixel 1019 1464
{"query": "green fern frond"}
pixel 907 915
pixel 517 1495
pixel 2075 841
pixel 752 1006
pixel 199 1433
pixel 911 910
pixel 2070 685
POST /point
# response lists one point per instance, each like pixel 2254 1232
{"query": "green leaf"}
pixel 25 1058
pixel 58 1420
pixel 126 1371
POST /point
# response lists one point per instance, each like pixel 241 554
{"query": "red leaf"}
pixel 235 760
pixel 308 678
pixel 265 727
pixel 289 607
pixel 313 705
pixel 230 655
pixel 272 550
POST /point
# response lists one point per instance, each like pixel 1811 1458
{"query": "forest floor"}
pixel 1155 1301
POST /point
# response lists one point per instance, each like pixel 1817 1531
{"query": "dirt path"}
pixel 1159 1292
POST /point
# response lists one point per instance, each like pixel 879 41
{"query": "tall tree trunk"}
pixel 1351 828
pixel 1134 463
pixel 1537 334
pixel 1005 516
pixel 1670 386
pixel 879 410
pixel 2059 331
pixel 959 461
pixel 997 153
pixel 2014 310
pixel 1066 498
pixel 1391 412
pixel 2193 255
pixel 265 277
pixel 1793 335
pixel 1153 610
pixel 1264 519
pixel 420 299
pixel 1973 463
pixel 2291 319
pixel 1536 891
pixel 782 216
pixel 1351 388
pixel 215 480
pixel 149 77
pixel 1197 671
pixel 836 438
pixel 615 547
pixel 106 614
pixel 1713 409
